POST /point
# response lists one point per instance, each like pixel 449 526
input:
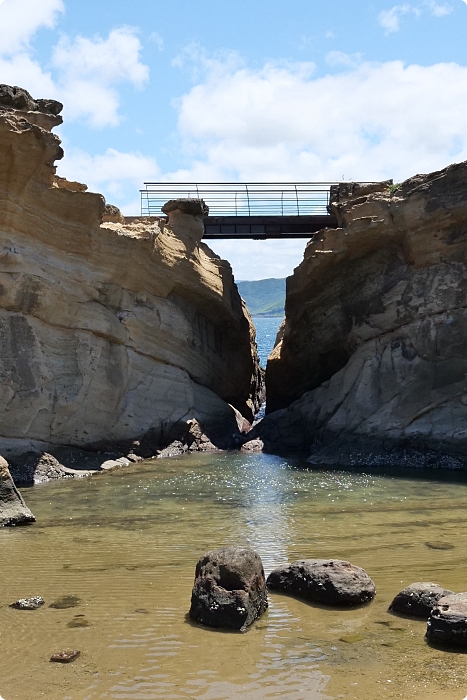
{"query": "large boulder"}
pixel 329 581
pixel 418 599
pixel 13 510
pixel 372 365
pixel 229 589
pixel 447 624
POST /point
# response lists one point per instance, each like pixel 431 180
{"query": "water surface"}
pixel 126 544
pixel 266 331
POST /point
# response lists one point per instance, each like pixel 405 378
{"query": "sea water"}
pixel 126 543
pixel 266 331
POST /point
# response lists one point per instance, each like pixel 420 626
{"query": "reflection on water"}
pixel 125 544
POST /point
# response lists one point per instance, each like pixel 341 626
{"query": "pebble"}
pixel 65 657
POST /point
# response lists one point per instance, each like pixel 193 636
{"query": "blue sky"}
pixel 258 90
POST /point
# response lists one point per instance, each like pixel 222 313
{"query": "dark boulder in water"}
pixel 230 589
pixel 418 599
pixel 447 624
pixel 329 581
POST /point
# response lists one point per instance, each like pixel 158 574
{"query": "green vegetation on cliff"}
pixel 264 297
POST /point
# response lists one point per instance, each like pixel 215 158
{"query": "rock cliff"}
pixel 109 331
pixel 372 364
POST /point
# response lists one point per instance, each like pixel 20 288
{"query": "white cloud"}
pixel 114 59
pixel 156 39
pixel 339 58
pixel 438 9
pixel 23 71
pixel 390 19
pixel 85 73
pixel 20 20
pixel 89 70
pixel 373 120
pixel 117 175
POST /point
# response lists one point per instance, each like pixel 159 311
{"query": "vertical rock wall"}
pixel 107 330
pixel 372 364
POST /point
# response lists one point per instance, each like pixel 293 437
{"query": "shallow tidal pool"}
pixel 126 543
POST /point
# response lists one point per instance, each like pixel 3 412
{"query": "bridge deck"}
pixel 257 210
pixel 262 227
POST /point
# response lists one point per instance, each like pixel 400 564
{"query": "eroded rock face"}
pixel 447 624
pixel 372 364
pixel 229 589
pixel 108 332
pixel 13 510
pixel 418 599
pixel 329 581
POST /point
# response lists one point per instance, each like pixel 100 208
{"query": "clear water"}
pixel 126 543
pixel 266 331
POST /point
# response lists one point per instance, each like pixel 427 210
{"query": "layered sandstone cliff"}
pixel 108 332
pixel 372 364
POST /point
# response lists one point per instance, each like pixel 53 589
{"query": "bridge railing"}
pixel 242 199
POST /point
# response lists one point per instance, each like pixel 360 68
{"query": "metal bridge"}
pixel 255 210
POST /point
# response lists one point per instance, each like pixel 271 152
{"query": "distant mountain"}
pixel 264 297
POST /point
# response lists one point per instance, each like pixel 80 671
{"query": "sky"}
pixel 251 90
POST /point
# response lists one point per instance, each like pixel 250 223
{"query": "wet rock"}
pixel 13 510
pixel 418 599
pixel 351 638
pixel 329 581
pixel 439 545
pixel 66 601
pixel 115 463
pixel 229 589
pixel 28 603
pixel 447 624
pixel 65 657
pixel 78 622
pixel 252 446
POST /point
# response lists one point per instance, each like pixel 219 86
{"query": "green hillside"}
pixel 264 297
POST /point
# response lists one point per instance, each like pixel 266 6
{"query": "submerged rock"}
pixel 372 365
pixel 66 601
pixel 33 603
pixel 447 624
pixel 418 599
pixel 329 581
pixel 78 622
pixel 229 589
pixel 13 510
